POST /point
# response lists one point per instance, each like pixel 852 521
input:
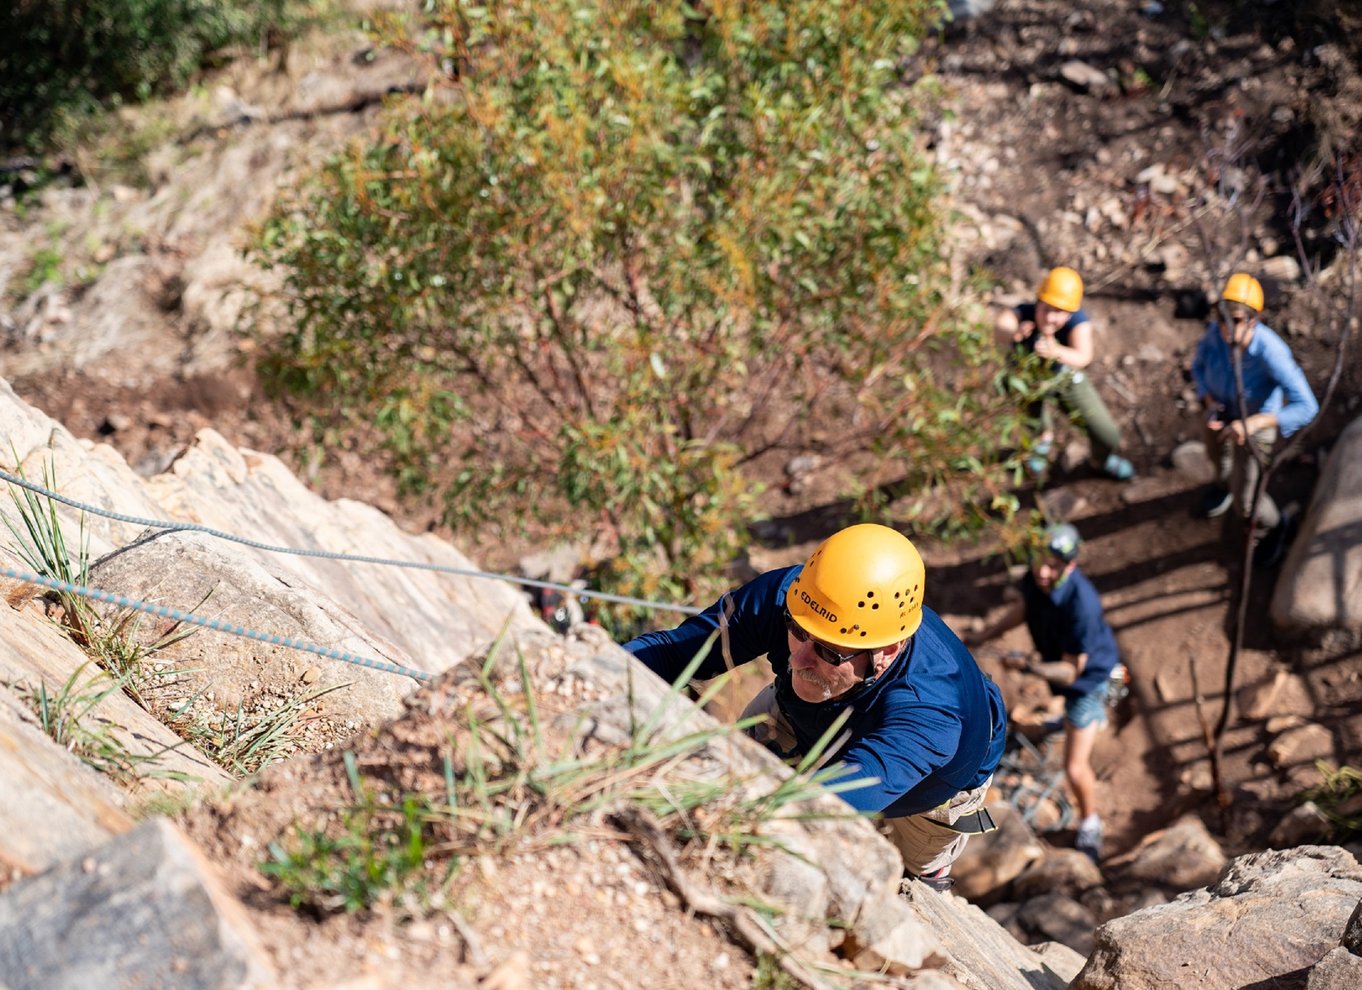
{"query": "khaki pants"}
pixel 1237 470
pixel 923 840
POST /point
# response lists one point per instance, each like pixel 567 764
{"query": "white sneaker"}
pixel 1089 838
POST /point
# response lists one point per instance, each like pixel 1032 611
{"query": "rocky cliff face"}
pixel 555 888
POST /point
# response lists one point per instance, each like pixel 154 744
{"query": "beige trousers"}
pixel 923 840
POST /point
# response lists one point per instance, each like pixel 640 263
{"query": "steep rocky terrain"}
pixel 1107 137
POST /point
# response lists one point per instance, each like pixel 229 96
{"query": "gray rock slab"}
pixel 196 572
pixel 1320 584
pixel 436 618
pixel 142 912
pixel 1339 970
pixel 1271 915
pixel 52 805
pixel 980 953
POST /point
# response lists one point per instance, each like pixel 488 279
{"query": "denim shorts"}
pixel 1090 709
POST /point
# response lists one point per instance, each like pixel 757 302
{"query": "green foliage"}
pixel 67 58
pixel 374 852
pixel 67 717
pixel 41 544
pixel 619 250
pixel 1339 799
pixel 114 640
pixel 45 266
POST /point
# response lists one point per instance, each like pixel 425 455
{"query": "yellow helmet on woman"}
pixel 862 588
pixel 1245 289
pixel 1062 289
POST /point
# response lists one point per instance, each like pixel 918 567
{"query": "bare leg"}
pixel 1078 746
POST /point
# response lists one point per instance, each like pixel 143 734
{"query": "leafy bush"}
pixel 618 251
pixel 61 58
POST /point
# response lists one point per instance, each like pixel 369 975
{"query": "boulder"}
pixel 1060 871
pixel 1182 856
pixel 1339 970
pixel 1320 584
pixel 1271 917
pixel 143 910
pixel 1058 918
pixel 992 861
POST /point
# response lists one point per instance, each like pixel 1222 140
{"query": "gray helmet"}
pixel 1063 541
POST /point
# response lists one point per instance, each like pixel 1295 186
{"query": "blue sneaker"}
pixel 1039 458
pixel 1118 467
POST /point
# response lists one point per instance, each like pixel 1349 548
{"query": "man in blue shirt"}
pixel 1276 402
pixel 1078 653
pixel 1056 329
pixel 847 632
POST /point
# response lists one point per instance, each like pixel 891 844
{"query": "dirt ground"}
pixel 1101 176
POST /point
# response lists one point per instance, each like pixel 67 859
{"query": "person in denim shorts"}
pixel 1078 653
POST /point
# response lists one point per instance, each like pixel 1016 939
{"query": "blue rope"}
pixel 171 526
pixel 165 612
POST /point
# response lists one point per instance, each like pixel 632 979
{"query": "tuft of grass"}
pixel 42 542
pixel 243 744
pixel 512 784
pixel 1339 798
pixel 66 717
pixel 113 642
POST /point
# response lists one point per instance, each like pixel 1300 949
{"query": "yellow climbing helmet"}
pixel 862 588
pixel 1062 289
pixel 1246 289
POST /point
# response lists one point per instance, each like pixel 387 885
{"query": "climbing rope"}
pixel 184 527
pixel 232 629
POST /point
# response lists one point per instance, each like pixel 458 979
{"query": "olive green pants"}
pixel 1078 398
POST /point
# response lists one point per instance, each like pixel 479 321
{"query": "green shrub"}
pixel 618 251
pixel 64 58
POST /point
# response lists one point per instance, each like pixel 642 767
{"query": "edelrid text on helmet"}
pixel 862 589
pixel 1244 288
pixel 1062 289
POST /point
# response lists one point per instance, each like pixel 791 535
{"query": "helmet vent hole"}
pixel 875 606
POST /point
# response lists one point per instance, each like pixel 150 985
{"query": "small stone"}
pixel 311 675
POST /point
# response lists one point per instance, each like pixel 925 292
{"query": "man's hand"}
pixel 1024 329
pixel 1046 345
pixel 1016 660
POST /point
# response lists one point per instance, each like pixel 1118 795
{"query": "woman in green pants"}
pixel 1056 329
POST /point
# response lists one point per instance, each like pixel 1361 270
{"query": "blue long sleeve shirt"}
pixel 1069 619
pixel 930 726
pixel 1273 381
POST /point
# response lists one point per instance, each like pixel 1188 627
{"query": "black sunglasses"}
pixel 824 652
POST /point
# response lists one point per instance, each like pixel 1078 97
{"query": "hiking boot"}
pixel 1215 502
pixel 1089 838
pixel 1272 546
pixel 1116 466
pixel 938 879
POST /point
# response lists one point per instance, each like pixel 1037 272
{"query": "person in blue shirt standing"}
pixel 1276 402
pixel 848 632
pixel 1078 653
pixel 1056 329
